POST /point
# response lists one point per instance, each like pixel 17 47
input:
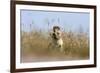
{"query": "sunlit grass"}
pixel 35 44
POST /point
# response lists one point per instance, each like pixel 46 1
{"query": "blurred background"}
pixel 36 26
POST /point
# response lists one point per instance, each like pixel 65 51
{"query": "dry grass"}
pixel 34 47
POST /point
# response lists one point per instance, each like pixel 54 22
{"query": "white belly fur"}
pixel 60 42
